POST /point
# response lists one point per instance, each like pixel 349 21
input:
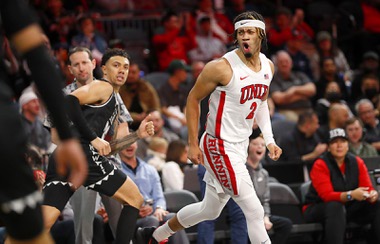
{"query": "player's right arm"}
pixel 215 73
pixel 96 92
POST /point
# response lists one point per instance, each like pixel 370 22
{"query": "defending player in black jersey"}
pixel 93 110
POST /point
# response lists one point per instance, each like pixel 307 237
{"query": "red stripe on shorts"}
pixel 219 114
pixel 224 169
pixel 228 164
pixel 208 156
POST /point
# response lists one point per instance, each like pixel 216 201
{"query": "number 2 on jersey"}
pixel 253 109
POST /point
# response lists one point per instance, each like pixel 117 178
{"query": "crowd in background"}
pixel 326 69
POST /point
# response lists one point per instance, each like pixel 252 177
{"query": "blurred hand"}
pixel 274 151
pixel 186 20
pixel 145 210
pixel 102 146
pixel 267 223
pixel 102 212
pixel 195 155
pixel 146 128
pixel 291 91
pixel 360 193
pixel 69 154
pixel 39 177
pixel 298 17
pixel 373 196
pixel 160 214
pixel 320 148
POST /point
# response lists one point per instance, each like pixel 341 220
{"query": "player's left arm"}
pixel 96 92
pixel 265 125
pixel 125 138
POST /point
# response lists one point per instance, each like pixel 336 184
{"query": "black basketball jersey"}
pixel 101 117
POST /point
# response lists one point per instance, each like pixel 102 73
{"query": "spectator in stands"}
pixel 196 69
pixel 370 89
pixel 58 24
pixel 368 115
pixel 295 47
pixel 234 8
pixel 329 74
pixel 175 40
pixel 338 114
pixel 152 7
pixel 159 131
pixel 291 91
pixel 368 66
pixel 176 159
pixel 327 48
pixel 221 26
pixel 139 96
pixel 303 144
pixel 355 134
pixel 173 95
pixel 180 5
pixel 286 25
pixel 30 109
pixel 341 192
pixel 260 178
pixel 156 153
pixel 209 47
pixel 153 212
pixel 89 37
pixel 332 94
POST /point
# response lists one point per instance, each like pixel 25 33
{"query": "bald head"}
pixel 283 62
pixel 338 115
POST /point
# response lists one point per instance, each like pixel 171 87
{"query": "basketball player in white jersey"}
pixel 238 85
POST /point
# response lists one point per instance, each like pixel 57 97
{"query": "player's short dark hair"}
pixel 112 53
pixel 76 50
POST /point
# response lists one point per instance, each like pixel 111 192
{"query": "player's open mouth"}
pixel 259 153
pixel 246 47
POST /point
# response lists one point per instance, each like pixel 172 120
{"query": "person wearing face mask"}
pixel 370 88
pixel 329 73
pixel 332 94
pixel 369 65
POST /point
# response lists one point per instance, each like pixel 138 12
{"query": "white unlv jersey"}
pixel 232 108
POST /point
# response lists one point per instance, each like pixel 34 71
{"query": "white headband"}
pixel 250 23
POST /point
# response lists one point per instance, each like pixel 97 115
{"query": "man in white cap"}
pixel 30 109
